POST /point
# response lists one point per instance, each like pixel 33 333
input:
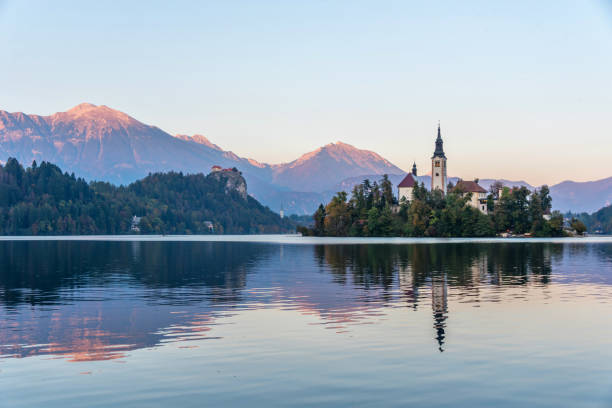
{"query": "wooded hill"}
pixel 600 222
pixel 41 200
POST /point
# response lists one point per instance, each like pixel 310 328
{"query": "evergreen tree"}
pixel 319 221
pixel 337 217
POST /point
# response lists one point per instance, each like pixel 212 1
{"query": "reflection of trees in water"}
pixel 517 264
pixel 101 293
pixel 369 265
pixel 204 277
pixel 35 271
pixel 464 267
pixel 168 268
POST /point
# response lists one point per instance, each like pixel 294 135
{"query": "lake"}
pixel 288 321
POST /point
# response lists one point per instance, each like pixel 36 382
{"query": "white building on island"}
pixel 405 187
pixel 439 180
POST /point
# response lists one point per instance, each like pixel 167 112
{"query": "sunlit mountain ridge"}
pixel 101 143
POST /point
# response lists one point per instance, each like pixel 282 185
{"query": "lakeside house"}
pixel 135 227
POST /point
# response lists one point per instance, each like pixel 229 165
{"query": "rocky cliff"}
pixel 233 181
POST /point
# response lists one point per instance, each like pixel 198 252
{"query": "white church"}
pixel 439 180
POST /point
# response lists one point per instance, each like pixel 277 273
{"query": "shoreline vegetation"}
pixel 298 239
pixel 41 200
pixel 374 211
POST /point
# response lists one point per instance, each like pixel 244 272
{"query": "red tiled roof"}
pixel 408 181
pixel 469 187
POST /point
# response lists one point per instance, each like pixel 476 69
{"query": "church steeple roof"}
pixel 439 152
pixel 414 169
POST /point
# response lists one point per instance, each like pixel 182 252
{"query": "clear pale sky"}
pixel 523 89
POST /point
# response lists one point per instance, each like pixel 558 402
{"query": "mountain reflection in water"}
pixel 89 301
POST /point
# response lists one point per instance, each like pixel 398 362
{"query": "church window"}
pixel 437 174
pixel 437 164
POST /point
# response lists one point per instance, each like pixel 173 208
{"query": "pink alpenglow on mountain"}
pixel 321 169
pixel 100 143
pixel 199 139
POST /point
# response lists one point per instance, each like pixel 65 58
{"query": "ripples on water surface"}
pixel 130 323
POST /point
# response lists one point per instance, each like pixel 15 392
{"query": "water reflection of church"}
pixel 439 304
pixel 468 269
pixel 342 284
pixel 439 299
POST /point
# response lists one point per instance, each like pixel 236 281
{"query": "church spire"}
pixel 414 169
pixel 439 152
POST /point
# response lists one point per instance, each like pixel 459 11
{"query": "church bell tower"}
pixel 438 166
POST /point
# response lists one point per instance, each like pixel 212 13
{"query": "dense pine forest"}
pixel 373 210
pixel 41 200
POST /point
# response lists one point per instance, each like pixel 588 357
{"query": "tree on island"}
pixel 373 210
pixel 578 226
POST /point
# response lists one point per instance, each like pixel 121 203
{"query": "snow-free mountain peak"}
pixel 344 152
pixel 82 107
pixel 322 168
pixel 97 115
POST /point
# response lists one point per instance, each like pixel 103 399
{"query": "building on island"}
pixel 479 194
pixel 438 166
pixel 439 180
pixel 404 189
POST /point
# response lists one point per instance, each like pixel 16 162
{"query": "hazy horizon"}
pixel 523 91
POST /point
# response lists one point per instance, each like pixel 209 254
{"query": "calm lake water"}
pixel 284 321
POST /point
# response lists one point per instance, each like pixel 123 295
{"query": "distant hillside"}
pixel 486 183
pixel 42 200
pixel 585 196
pixel 571 196
pixel 600 222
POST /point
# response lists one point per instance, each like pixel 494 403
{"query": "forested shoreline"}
pixel 41 200
pixel 599 222
pixel 373 210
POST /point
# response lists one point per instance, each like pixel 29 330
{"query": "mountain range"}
pixel 97 142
